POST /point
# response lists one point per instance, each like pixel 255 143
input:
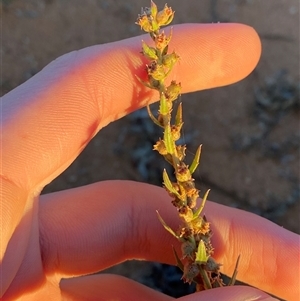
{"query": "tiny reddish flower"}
pixel 182 172
pixel 145 24
pixel 158 72
pixel 161 41
pixel 165 16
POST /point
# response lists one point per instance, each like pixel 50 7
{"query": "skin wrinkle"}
pixel 229 252
pixel 15 249
pixel 132 232
pixel 62 225
pixel 276 277
pixel 247 266
pixel 55 82
pixel 91 133
pixel 224 253
pixel 268 251
pixel 25 242
pixel 138 92
pixel 12 185
pixel 93 97
pixel 103 83
pixel 43 243
pixel 258 250
pixel 142 243
pixel 87 226
pixel 50 264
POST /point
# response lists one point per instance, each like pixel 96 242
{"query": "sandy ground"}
pixel 249 131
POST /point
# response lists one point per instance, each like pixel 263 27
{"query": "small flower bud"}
pixel 186 233
pixel 176 186
pixel 165 16
pixel 160 147
pixel 153 83
pixel 180 151
pixel 212 266
pixel 161 41
pixel 189 186
pixel 169 60
pixel 177 202
pixel 182 172
pixel 201 227
pixel 188 249
pixel 149 52
pixel 191 270
pixel 145 23
pixel 158 73
pixel 175 130
pixel 173 90
pixel 186 213
pixel 192 193
pixel 191 200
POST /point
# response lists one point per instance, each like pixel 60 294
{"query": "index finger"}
pixel 48 120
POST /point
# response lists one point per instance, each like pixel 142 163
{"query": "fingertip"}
pixel 215 55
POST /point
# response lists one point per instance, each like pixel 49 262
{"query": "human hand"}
pixel 47 121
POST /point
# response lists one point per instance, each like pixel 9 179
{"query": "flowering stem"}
pixel 196 261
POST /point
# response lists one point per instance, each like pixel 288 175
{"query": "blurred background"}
pixel 250 131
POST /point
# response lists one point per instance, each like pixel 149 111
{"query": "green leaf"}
pixel 168 184
pixel 196 160
pixel 165 50
pixel 166 226
pixel 233 278
pixel 152 117
pixel 149 52
pixel 178 261
pixel 155 25
pixel 168 139
pixel 153 9
pixel 164 105
pixel 178 117
pixel 199 210
pixel 201 256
